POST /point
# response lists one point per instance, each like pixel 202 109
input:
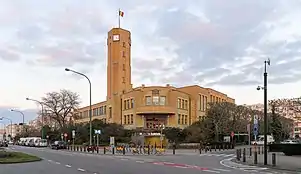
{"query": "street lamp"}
pixel 162 127
pixel 90 109
pixel 265 110
pixel 13 110
pixel 42 113
pixel 11 126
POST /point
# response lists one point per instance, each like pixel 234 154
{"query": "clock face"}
pixel 116 37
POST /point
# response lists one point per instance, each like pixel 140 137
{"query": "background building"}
pixel 146 108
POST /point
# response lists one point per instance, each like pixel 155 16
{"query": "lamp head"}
pixel 12 110
pixel 27 98
pixel 67 69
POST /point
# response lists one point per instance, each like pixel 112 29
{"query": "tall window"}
pixel 124 104
pixel 124 119
pixel 148 100
pixel 179 118
pixel 156 100
pixel 132 119
pixel 110 112
pixel 179 103
pixel 162 100
pixel 132 103
pixel 186 104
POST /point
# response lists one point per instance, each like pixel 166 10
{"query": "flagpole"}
pixel 119 18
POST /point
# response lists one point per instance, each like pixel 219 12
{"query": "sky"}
pixel 211 43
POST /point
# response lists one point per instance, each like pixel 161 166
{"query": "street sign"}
pixel 65 135
pixel 97 132
pixel 255 129
pixel 232 134
pixel 73 133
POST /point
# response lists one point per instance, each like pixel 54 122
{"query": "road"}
pixel 83 163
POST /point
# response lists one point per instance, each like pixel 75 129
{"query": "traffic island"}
pixel 16 157
pixel 276 160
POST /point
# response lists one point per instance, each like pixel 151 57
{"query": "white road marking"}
pixel 57 163
pixel 211 171
pixel 50 160
pixel 139 161
pixel 224 170
pixel 68 166
pixel 82 170
pixel 124 159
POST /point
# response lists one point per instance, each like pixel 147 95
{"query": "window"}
pixel 182 102
pixel 123 67
pixel 179 103
pixel 162 100
pixel 123 44
pixel 124 104
pixel 128 104
pixel 182 119
pixel 124 119
pixel 148 100
pixel 185 119
pixel 156 100
pixel 179 118
pixel 123 53
pixel 132 119
pixel 186 104
pixel 110 112
pixel 132 103
pixel 128 119
pixel 206 103
pixel 200 98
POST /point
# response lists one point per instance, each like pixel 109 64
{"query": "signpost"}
pixel 97 132
pixel 73 137
pixel 65 135
pixel 255 127
pixel 249 132
pixel 232 137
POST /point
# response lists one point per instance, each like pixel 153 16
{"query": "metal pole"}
pixel 42 116
pixel 90 111
pixel 265 113
pixel 97 140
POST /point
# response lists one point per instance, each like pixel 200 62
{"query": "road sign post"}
pixel 73 137
pixel 97 132
pixel 255 127
pixel 65 135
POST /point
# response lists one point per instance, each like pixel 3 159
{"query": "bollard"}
pixel 97 149
pixel 244 155
pixel 85 149
pixel 123 150
pixel 81 148
pixel 255 157
pixel 104 150
pixel 237 155
pixel 214 147
pixel 200 150
pixel 250 151
pixel 259 150
pixel 274 159
pixel 113 150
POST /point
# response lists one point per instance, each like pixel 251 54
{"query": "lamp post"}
pixel 23 121
pixel 42 113
pixel 90 108
pixel 265 110
pixel 162 127
pixel 11 126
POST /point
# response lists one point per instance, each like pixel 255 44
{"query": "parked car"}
pixel 291 141
pixel 58 145
pixel 3 144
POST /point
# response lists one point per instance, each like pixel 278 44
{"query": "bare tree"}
pixel 60 105
pixel 219 115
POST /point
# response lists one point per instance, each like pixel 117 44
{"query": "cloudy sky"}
pixel 212 43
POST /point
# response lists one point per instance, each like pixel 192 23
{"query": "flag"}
pixel 121 13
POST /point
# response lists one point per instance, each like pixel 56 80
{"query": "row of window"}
pixel 128 119
pixel 128 104
pixel 155 100
pixel 99 111
pixel 182 104
pixel 182 119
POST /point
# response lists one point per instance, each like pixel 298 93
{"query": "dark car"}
pixel 58 145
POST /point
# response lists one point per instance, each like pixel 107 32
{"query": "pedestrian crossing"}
pixel 218 155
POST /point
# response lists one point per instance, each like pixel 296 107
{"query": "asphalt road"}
pixel 74 163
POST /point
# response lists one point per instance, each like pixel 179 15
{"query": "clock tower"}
pixel 118 70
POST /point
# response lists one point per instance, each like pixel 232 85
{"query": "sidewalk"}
pixel 290 163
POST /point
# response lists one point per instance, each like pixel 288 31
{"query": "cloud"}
pixel 209 42
pixel 29 114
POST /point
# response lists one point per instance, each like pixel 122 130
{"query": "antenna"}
pixel 269 61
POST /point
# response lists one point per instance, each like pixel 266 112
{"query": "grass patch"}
pixel 16 157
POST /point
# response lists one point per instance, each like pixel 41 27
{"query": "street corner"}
pixel 233 164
